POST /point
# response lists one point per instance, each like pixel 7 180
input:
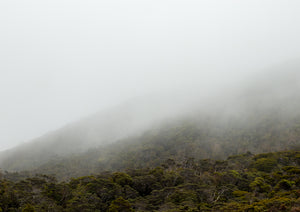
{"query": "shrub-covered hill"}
pixel 247 182
pixel 180 140
pixel 259 116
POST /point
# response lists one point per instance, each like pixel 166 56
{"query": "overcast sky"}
pixel 61 60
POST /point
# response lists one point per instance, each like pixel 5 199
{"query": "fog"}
pixel 63 60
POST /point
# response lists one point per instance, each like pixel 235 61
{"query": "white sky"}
pixel 61 60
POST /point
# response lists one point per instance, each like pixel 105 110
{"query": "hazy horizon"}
pixel 61 61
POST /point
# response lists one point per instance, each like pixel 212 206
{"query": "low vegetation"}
pixel 246 182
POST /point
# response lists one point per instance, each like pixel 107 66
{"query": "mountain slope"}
pixel 180 141
pixel 130 118
pixel 261 116
pixel 247 182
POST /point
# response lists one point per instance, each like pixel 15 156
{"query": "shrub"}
pixel 285 184
pixel 265 164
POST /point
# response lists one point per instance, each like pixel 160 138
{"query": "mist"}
pixel 61 61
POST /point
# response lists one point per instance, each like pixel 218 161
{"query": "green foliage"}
pixel 28 208
pixel 239 193
pixel 183 141
pixel 181 195
pixel 122 179
pixel 285 184
pixel 188 185
pixel 84 202
pixel 260 185
pixel 120 205
pixel 265 164
pixel 292 169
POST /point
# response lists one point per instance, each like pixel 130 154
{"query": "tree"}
pixel 120 205
pixel 28 208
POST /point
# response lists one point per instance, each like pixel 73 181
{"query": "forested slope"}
pixel 247 182
pixel 260 116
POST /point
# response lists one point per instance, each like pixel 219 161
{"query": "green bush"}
pixel 285 184
pixel 265 164
pixel 120 205
pixel 28 208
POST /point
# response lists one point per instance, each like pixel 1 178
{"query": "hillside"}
pixel 97 130
pixel 181 140
pixel 261 115
pixel 247 182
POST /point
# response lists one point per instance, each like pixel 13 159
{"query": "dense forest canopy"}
pixel 247 182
